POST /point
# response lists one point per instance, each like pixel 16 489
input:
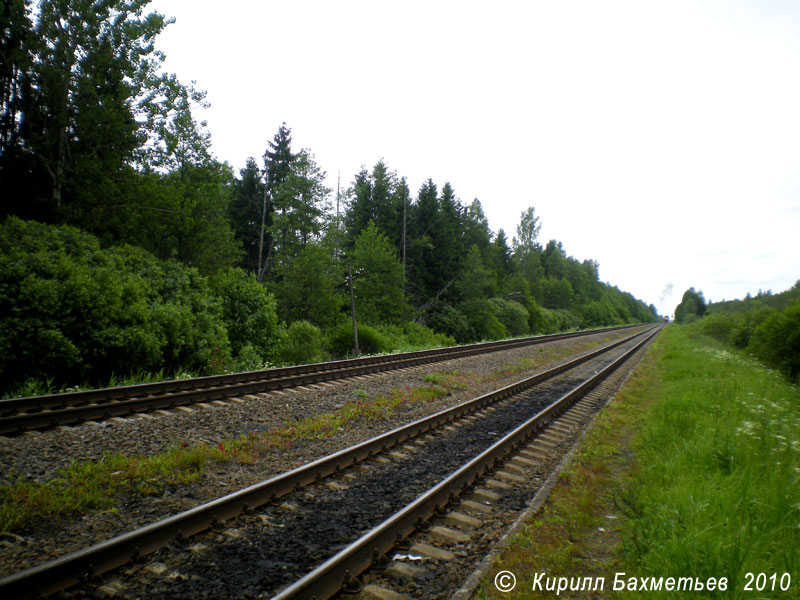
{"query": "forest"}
pixel 128 248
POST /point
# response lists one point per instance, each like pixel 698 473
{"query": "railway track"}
pixel 474 427
pixel 18 415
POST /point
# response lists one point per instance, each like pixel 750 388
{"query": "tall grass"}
pixel 716 492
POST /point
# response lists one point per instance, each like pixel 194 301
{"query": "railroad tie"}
pixel 433 552
pixel 376 592
pixel 461 521
pixel 496 484
pixel 476 508
pixel 485 495
pixel 446 535
pixel 110 589
pixel 405 570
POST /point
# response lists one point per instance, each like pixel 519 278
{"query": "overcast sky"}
pixel 661 139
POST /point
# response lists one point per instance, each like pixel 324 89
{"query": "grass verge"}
pixel 692 472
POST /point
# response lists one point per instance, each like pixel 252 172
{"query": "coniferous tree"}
pixel 278 159
pixel 402 199
pixel 293 203
pixel 475 281
pixel 554 260
pixel 448 237
pixel 500 255
pixel 388 213
pixel 421 251
pixel 476 228
pixel 307 287
pixel 245 212
pixel 304 198
pixel 376 198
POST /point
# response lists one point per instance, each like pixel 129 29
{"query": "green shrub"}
pixel 534 314
pixel 512 315
pixel 746 322
pixel 249 359
pixel 776 341
pixel 248 312
pixel 718 326
pixel 370 341
pixel 768 326
pixel 77 313
pixel 451 322
pixel 408 336
pixel 302 344
pixel 554 321
pixel 420 336
pixel 598 313
pixel 482 320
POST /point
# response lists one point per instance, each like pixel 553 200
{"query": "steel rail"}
pixel 40 412
pixel 70 569
pixel 328 579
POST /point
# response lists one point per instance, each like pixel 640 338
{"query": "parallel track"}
pixel 41 412
pixel 337 572
pixel 71 569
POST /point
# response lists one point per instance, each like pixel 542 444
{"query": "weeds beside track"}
pixel 694 470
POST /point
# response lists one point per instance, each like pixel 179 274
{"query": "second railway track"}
pixel 143 541
pixel 41 412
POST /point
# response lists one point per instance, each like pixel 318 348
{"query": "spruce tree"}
pixel 278 159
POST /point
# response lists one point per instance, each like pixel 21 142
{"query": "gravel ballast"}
pixel 39 457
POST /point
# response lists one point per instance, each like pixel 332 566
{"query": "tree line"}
pixel 766 325
pixel 109 183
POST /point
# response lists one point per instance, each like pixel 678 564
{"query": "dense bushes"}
pixel 370 340
pixel 512 315
pixel 482 320
pixel 768 327
pixel 451 322
pixel 553 321
pixel 248 312
pixel 303 344
pixel 777 341
pixel 80 314
pixel 75 313
pixel 399 337
pixel 409 336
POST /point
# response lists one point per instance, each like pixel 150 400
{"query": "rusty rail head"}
pixel 68 570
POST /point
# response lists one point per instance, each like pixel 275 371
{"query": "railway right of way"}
pixel 115 552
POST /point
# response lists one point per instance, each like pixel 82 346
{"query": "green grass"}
pixel 693 471
pixel 91 486
pixel 717 489
pixel 87 486
pixel 38 387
